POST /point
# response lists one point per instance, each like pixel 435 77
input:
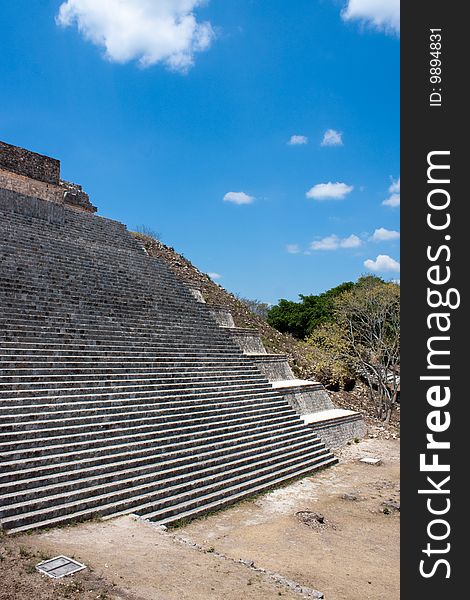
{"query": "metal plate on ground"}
pixel 60 566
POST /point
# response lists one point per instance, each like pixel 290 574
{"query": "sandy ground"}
pixel 356 555
pixel 351 553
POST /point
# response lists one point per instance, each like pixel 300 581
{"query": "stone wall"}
pixel 196 292
pixel 30 187
pixel 37 176
pixel 274 368
pixel 75 197
pixel 50 212
pixel 29 164
pixel 248 340
pixel 307 399
pixel 336 435
pixel 222 316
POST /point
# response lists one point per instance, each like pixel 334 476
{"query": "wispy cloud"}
pixel 333 242
pixel 293 248
pixel 148 31
pixel 383 15
pixel 394 199
pixel 332 137
pixel 298 140
pixel 238 198
pixel 329 191
pixel 385 235
pixel 215 276
pixel 382 263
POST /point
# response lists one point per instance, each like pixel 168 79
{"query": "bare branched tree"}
pixel 148 231
pixel 370 314
pixel 256 306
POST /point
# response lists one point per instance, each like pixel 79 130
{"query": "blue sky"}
pixel 163 108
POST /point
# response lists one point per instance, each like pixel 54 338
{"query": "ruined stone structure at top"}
pixel 38 176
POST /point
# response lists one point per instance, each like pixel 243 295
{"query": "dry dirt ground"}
pixel 268 547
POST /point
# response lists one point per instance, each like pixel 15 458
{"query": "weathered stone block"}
pixel 248 340
pixel 306 398
pixel 30 187
pixel 275 367
pixel 30 164
pixel 222 316
pixel 75 197
pixel 50 212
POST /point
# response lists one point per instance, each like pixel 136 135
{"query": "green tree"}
pixel 301 318
pixel 289 317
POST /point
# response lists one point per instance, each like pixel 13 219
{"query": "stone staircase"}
pixel 309 399
pixel 119 393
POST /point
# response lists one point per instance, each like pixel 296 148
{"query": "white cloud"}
pixel 383 262
pixel 238 198
pixel 332 137
pixel 150 31
pixel 298 140
pixel 330 242
pixel 329 191
pixel 214 276
pixel 383 15
pixel 394 199
pixel 385 235
pixel 351 242
pixel 333 242
pixel 293 248
pixel 395 187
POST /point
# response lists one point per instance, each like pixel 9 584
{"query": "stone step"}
pixel 22 435
pixel 97 294
pixel 108 377
pixel 60 469
pixel 79 415
pixel 162 495
pixel 110 367
pixel 155 332
pixel 34 447
pixel 8 355
pixel 80 260
pixel 92 325
pixel 150 476
pixel 46 460
pixel 168 395
pixel 59 409
pixel 104 302
pixel 214 501
pixel 68 279
pixel 144 380
pixel 20 397
pixel 178 344
pixel 154 419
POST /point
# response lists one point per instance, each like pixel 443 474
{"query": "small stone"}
pixel 391 504
pixel 371 461
pixel 351 497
